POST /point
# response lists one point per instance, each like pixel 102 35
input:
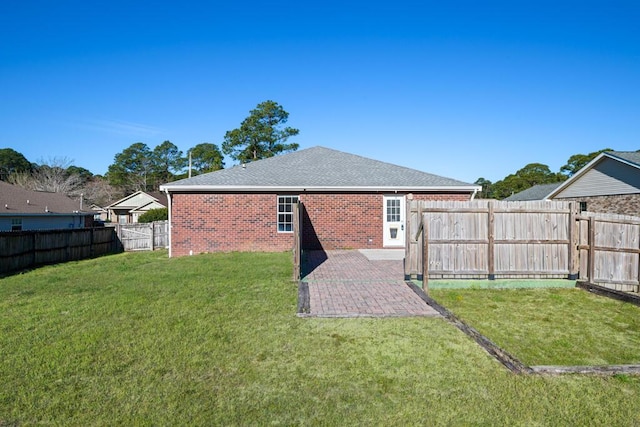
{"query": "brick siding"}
pixel 624 204
pixel 248 221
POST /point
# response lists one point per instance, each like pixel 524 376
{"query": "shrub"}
pixel 152 215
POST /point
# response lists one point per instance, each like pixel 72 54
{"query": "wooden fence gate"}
pixel 143 237
pixel 609 248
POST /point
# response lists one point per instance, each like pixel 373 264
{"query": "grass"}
pixel 140 339
pixel 551 326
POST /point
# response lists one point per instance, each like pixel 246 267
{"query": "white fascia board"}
pixel 255 188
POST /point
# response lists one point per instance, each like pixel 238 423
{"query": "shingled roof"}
pixel 537 192
pixel 17 200
pixel 318 168
pixel 629 156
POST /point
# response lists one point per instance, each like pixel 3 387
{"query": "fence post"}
pixel 117 243
pixel 592 249
pixel 491 268
pixel 67 254
pixel 574 251
pixel 409 239
pixel 153 236
pixel 425 256
pixel 33 249
pixel 297 239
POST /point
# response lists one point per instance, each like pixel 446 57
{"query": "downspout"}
pixel 169 216
pixel 473 196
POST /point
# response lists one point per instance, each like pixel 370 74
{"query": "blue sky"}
pixel 462 89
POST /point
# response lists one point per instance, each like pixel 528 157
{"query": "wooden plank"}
pixel 611 293
pixel 491 260
pixel 509 361
pixel 597 370
pixel 297 240
pixel 592 252
pixel 574 265
pixel 425 256
pixel 502 242
pixel 496 209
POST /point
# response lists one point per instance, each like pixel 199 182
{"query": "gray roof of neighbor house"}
pixel 629 156
pixel 537 192
pixel 17 200
pixel 318 168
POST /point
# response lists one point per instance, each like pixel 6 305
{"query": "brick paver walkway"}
pixel 349 284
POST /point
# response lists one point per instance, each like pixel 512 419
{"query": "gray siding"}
pixel 43 222
pixel 608 177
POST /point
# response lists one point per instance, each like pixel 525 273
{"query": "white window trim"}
pixel 278 213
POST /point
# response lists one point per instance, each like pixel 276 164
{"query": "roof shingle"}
pixel 15 200
pixel 537 192
pixel 318 167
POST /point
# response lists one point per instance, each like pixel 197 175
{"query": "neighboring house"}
pixel 537 192
pixel 99 213
pixel 350 202
pixel 22 209
pixel 610 183
pixel 129 209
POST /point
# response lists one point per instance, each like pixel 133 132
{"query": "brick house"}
pixel 610 183
pixel 349 202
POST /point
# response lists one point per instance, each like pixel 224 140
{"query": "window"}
pixel 16 224
pixel 285 213
pixel 583 206
pixel 393 210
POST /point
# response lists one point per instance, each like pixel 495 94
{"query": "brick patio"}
pixel 352 283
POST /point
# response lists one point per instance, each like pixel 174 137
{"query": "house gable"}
pixel 148 207
pixel 132 201
pixel 607 175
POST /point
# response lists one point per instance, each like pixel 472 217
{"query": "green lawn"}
pixel 140 339
pixel 551 326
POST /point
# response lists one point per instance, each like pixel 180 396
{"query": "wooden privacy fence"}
pixel 492 239
pixel 25 249
pixel 537 239
pixel 143 237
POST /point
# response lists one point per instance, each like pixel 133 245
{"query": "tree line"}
pixel 262 134
pixel 534 174
pixel 139 167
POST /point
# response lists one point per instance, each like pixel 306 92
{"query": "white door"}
pixel 393 221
